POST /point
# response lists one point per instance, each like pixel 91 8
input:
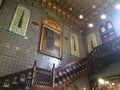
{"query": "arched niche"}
pixel 52 23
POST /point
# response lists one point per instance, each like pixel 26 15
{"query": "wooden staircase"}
pixel 71 72
pixel 40 79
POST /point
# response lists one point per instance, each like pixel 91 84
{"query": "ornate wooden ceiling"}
pixel 69 10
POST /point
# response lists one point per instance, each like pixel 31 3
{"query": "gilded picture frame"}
pixel 51 42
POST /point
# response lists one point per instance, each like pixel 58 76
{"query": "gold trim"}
pixel 42 37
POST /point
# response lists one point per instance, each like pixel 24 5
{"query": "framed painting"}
pixel 51 42
pixel 20 20
pixel 74 45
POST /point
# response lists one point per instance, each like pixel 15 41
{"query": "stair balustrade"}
pixel 38 79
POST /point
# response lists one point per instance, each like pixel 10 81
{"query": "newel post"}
pixel 34 70
pixel 53 76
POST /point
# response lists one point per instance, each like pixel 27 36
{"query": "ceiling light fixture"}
pixel 59 10
pixel 63 12
pixel 70 9
pixel 94 6
pixel 107 82
pixel 25 37
pixel 117 6
pixel 90 25
pixel 54 7
pixel 68 15
pixel 101 81
pixel 17 48
pixel 84 88
pixel 81 31
pixel 49 3
pixel 81 16
pixel 103 16
pixel 113 84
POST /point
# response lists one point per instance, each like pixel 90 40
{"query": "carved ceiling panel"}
pixel 69 10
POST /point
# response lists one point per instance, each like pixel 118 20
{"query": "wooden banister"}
pixel 53 76
pixel 34 70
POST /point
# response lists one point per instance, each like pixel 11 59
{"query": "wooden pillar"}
pixel 53 76
pixel 34 70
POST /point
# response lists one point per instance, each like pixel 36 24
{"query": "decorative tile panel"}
pixel 20 20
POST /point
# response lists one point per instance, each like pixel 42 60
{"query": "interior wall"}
pixel 114 17
pixel 111 70
pixel 83 83
pixel 91 42
pixel 18 53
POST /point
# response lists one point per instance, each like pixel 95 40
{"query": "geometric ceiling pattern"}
pixel 69 10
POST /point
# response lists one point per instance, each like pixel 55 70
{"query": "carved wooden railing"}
pixel 34 78
pixel 71 72
pixel 44 78
pixel 27 79
pixel 105 54
pixel 16 81
pixel 106 49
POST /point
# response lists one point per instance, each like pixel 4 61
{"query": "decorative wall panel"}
pixel 74 45
pixel 91 41
pixel 20 20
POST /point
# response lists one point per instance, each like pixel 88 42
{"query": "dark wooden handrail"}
pixel 111 46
